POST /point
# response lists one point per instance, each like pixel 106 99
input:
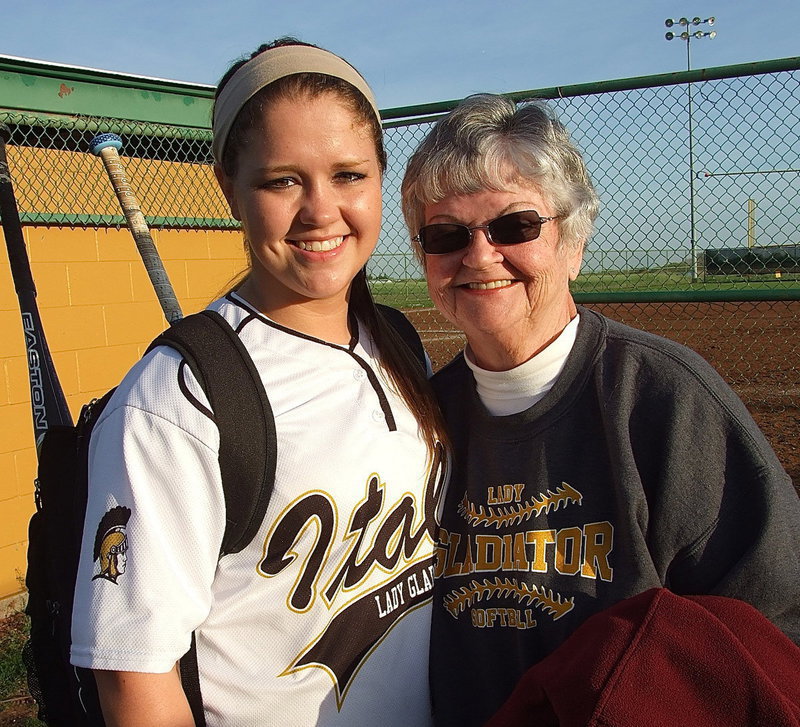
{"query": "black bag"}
pixel 67 695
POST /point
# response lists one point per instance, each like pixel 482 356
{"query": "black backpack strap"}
pixel 247 448
pixel 247 442
pixel 190 680
pixel 405 330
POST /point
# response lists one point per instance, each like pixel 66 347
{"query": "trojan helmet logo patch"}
pixel 111 544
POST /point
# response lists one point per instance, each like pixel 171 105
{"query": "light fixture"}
pixel 687 35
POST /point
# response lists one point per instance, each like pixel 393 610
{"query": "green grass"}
pixel 13 681
pixel 13 634
pixel 667 280
pixel 401 293
pixel 411 293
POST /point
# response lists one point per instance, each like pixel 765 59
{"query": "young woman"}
pixel 324 618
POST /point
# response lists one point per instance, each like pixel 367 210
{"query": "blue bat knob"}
pixel 103 141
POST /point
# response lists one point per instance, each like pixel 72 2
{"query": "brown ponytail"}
pixel 400 363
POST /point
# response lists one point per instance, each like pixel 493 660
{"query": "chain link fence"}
pixel 697 239
pixel 58 182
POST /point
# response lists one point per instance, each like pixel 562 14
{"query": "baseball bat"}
pixel 107 146
pixel 48 404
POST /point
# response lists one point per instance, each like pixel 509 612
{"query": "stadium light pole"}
pixel 686 34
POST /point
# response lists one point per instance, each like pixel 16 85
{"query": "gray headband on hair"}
pixel 269 66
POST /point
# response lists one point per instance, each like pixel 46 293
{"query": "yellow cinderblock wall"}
pixel 49 181
pixel 99 312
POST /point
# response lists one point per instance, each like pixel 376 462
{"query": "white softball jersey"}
pixel 323 619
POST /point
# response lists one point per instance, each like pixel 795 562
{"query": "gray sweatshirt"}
pixel 640 468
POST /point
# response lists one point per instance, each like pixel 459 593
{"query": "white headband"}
pixel 269 66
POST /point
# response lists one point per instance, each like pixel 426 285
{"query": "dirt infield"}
pixel 755 346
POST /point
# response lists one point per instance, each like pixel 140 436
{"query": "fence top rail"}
pixel 28 85
pixel 623 84
pixel 97 125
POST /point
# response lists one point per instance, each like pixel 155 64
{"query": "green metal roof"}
pixel 39 87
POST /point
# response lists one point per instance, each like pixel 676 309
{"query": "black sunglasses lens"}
pixel 442 238
pixel 510 229
pixel 516 227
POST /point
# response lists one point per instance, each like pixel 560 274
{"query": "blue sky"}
pixel 412 52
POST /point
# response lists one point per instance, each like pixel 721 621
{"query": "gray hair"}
pixel 487 142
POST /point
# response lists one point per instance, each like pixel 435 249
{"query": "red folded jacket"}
pixel 662 659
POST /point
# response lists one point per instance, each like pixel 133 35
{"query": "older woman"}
pixel 592 461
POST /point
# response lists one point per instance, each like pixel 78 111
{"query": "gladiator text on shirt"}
pixel 499 591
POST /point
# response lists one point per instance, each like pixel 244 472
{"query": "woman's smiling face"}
pixel 308 193
pixel 510 300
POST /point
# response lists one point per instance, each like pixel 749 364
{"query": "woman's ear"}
pixel 575 261
pixel 226 185
pixel 420 255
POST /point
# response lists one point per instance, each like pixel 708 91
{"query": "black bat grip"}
pixel 12 227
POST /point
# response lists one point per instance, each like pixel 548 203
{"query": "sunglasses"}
pixel 510 229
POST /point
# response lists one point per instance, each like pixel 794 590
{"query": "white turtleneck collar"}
pixel 513 391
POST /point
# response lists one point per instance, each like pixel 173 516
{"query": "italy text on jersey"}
pixel 383 539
